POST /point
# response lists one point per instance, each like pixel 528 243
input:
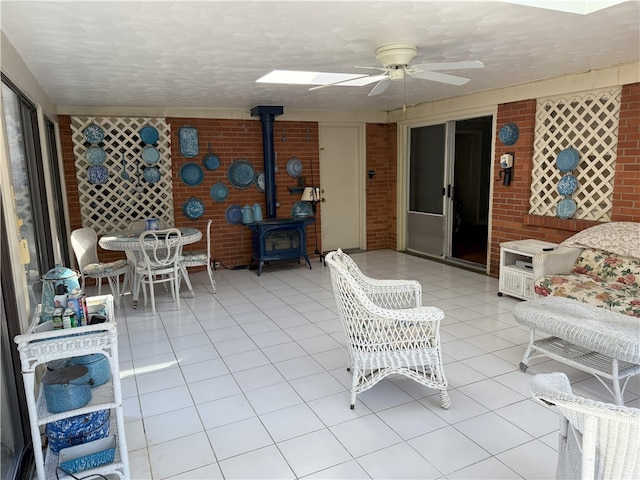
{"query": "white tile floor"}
pixel 251 383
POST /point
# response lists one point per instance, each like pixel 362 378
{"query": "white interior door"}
pixel 342 209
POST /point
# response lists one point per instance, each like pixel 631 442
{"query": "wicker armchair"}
pixel 388 330
pixel 597 440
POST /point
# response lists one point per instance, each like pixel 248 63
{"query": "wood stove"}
pixel 279 239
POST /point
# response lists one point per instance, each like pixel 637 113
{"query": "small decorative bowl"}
pixel 567 185
pixel 97 174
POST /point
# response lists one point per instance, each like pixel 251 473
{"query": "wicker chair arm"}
pixel 558 261
pixel 393 293
pixel 409 315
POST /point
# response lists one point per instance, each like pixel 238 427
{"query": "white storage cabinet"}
pixel 37 348
pixel 516 267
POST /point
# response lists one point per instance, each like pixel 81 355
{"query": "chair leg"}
pixel 114 283
pixel 151 295
pixel 187 280
pixel 354 384
pixel 445 401
pixel 213 280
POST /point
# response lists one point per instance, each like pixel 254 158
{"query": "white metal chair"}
pixel 199 259
pixel 84 242
pixel 597 439
pixel 388 330
pixel 161 252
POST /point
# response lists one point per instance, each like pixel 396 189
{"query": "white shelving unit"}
pixel 516 278
pixel 38 348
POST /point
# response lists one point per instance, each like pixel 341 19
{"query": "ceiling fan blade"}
pixel 449 65
pixel 440 77
pixel 380 87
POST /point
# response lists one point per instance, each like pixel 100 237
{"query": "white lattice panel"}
pixel 114 204
pixel 588 122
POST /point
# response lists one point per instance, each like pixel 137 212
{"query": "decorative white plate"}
pixel 294 167
pixel 260 182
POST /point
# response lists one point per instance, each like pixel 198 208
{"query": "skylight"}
pixel 296 77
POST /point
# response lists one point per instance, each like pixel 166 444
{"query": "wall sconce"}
pixel 371 174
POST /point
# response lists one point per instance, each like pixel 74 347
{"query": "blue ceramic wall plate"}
pixel 567 185
pixel 188 140
pixel 150 155
pixel 509 134
pixel 219 192
pixel 93 134
pixel 193 208
pixel 191 174
pixel 566 208
pixel 241 174
pixel 97 174
pixel 151 174
pixel 568 159
pixel 149 134
pixel 95 155
pixel 233 214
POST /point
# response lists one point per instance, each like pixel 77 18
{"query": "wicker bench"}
pixel 595 340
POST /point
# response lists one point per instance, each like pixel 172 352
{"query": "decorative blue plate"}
pixel 294 167
pixel 566 208
pixel 509 134
pixel 151 174
pixel 93 133
pixel 568 159
pixel 149 134
pixel 95 155
pixel 193 208
pixel 188 139
pixel 241 174
pixel 233 214
pixel 302 210
pixel 211 161
pixel 219 192
pixel 567 185
pixel 260 182
pixel 191 174
pixel 97 174
pixel 150 155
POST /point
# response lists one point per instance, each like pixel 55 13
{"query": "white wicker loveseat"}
pixel 599 266
pixel 388 330
pixel 597 440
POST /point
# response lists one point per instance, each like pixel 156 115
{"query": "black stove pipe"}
pixel 267 115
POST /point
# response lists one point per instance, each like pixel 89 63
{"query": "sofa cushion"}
pixel 607 267
pixel 616 296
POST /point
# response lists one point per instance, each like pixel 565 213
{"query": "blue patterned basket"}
pixel 89 455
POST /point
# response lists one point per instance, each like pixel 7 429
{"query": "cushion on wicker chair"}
pixel 105 269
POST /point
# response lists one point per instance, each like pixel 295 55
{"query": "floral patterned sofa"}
pixel 599 266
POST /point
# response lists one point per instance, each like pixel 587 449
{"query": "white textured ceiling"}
pixel 209 53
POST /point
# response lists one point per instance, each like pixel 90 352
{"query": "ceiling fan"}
pixel 396 64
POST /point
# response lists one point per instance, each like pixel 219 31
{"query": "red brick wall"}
pixel 230 140
pixel 510 217
pixel 381 189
